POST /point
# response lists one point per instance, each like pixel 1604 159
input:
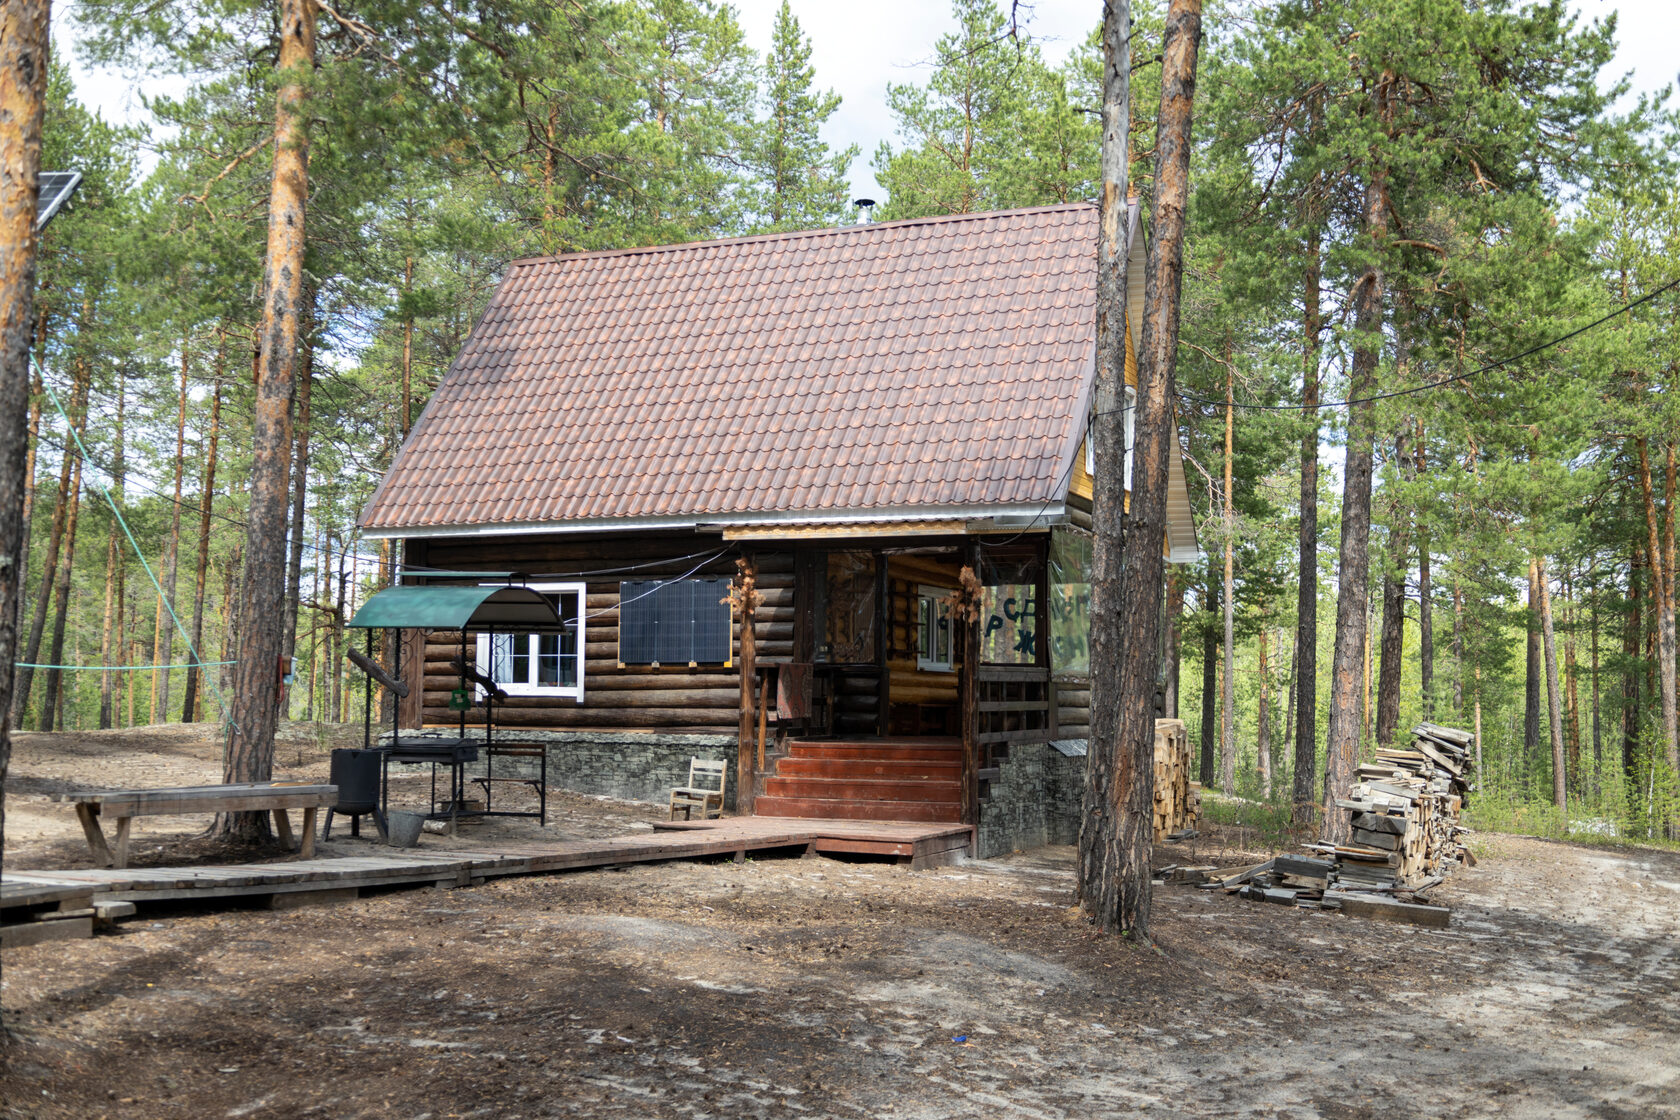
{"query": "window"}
pixel 540 664
pixel 1130 437
pixel 934 631
pixel 674 622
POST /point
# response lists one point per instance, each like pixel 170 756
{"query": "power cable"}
pixel 1426 386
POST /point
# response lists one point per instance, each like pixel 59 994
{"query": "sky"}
pixel 860 46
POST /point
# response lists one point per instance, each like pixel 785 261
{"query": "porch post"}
pixel 746 760
pixel 883 644
pixel 968 674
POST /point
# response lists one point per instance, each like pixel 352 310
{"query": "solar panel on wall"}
pixel 673 622
pixel 711 620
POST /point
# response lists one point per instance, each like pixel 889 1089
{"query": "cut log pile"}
pixel 1178 800
pixel 1405 839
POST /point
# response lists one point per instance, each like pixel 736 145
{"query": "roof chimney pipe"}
pixel 866 210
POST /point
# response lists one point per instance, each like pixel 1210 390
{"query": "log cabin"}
pixel 818 503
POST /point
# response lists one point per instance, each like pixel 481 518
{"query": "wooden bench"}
pixel 126 804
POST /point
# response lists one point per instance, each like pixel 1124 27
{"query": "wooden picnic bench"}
pixel 126 804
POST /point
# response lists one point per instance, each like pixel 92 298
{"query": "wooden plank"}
pixel 1380 822
pixel 15 937
pixel 17 894
pixel 292 900
pixel 1388 910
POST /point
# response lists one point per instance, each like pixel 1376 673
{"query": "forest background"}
pixel 1523 540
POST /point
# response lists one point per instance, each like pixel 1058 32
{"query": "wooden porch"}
pixel 298 882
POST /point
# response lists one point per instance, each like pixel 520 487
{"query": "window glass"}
pixel 1009 608
pixel 934 631
pixel 543 663
pixel 1070 602
pixel 848 609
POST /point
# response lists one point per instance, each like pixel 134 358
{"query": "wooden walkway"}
pixel 28 896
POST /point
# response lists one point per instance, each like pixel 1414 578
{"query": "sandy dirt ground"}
pixel 817 988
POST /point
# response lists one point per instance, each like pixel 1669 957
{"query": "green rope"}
pixel 105 493
pixel 124 668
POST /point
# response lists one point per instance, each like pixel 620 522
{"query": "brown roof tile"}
pixel 937 363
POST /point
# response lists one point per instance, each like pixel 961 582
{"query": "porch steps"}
pixel 874 780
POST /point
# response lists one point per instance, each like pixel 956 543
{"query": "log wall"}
pixel 703 698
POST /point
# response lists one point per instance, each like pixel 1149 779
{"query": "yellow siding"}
pixel 1080 485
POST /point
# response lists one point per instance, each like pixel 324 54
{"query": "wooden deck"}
pixel 24 895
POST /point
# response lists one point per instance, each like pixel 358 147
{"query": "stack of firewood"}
pixel 1405 812
pixel 1405 838
pixel 1178 800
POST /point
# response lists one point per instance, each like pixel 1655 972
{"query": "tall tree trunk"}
pixel 407 417
pixel 1210 689
pixel 1531 679
pixel 1632 698
pixel 1123 902
pixel 300 493
pixel 1263 729
pixel 1104 839
pixel 1458 647
pixel 33 440
pixel 1389 672
pixel 1394 611
pixel 68 473
pixel 1354 559
pixel 1175 636
pixel 1306 626
pixel 1560 788
pixel 165 639
pixel 111 645
pixel 1365 705
pixel 1287 699
pixel 1571 695
pixel 24 46
pixel 250 749
pixel 1426 602
pixel 230 616
pixel 1661 585
pixel 43 594
pixel 1228 707
pixel 1597 730
pixel 50 698
pixel 1478 724
pixel 190 703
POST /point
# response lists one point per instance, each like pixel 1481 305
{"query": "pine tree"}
pixel 801 184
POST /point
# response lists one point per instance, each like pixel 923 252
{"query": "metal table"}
pixel 453 753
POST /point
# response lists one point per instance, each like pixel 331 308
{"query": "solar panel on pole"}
pixel 56 189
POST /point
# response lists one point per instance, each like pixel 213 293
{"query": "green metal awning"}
pixel 458 607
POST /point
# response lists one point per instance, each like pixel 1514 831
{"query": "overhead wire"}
pixel 1442 382
pixel 192 647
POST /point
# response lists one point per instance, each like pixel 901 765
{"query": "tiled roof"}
pixel 883 370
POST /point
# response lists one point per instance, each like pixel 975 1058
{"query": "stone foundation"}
pixel 1035 801
pixel 637 766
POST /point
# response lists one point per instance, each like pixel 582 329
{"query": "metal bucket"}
pixel 402 830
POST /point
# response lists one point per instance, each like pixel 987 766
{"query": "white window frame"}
pixel 1130 415
pixel 941 600
pixel 531 688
